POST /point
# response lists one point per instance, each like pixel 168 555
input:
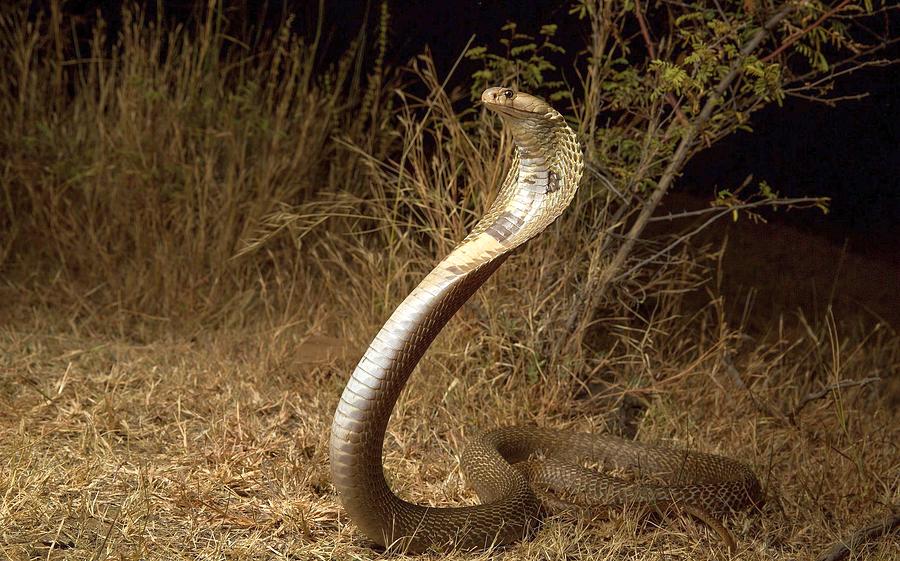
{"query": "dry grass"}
pixel 192 265
pixel 217 447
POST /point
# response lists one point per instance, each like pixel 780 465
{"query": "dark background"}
pixel 850 153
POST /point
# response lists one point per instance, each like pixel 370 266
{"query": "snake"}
pixel 515 471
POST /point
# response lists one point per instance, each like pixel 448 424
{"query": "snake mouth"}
pixel 510 111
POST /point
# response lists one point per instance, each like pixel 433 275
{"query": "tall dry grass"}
pixel 199 237
pixel 134 170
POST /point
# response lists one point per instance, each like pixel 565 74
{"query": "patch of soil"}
pixel 785 269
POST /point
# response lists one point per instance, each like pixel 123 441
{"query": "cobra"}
pixel 502 465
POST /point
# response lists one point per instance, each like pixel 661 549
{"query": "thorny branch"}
pixel 796 36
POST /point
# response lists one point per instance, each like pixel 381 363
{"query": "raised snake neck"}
pixel 542 181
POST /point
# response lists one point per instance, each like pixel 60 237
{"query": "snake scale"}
pixel 502 465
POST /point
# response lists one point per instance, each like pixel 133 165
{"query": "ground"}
pixel 214 445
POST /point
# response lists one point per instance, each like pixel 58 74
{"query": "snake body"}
pixel 501 465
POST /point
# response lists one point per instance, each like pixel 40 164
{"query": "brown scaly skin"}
pixel 541 183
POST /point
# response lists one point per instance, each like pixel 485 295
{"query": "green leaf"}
pixel 516 51
pixel 476 52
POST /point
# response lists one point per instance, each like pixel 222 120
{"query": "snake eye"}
pixel 509 94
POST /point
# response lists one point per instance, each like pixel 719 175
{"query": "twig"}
pixel 883 527
pixel 745 206
pixel 796 36
pixel 596 174
pixel 830 101
pixel 720 213
pixel 761 405
pixel 812 396
pixel 823 82
pixel 651 50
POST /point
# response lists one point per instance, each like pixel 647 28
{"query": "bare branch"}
pixel 830 101
pixel 851 60
pixel 822 82
pixel 796 36
pixel 744 206
pixel 651 48
pixel 812 396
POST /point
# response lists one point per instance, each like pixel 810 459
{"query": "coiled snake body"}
pixel 500 465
